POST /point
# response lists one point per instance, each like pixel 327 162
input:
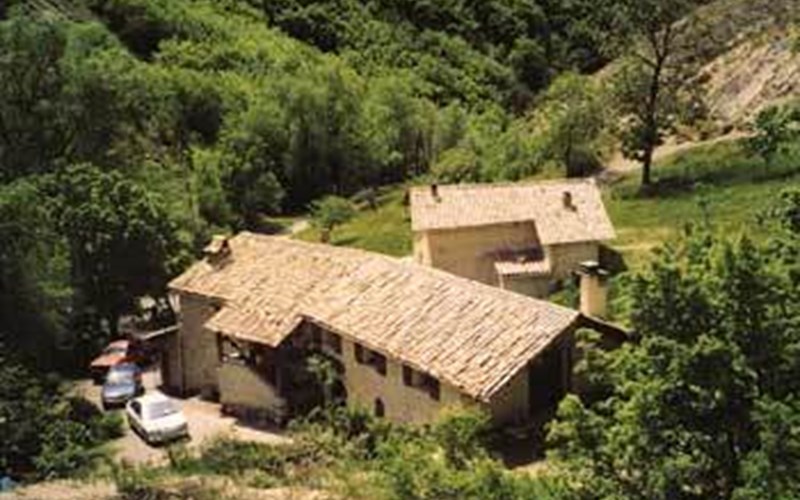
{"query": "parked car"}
pixel 123 383
pixel 115 353
pixel 156 418
pixel 120 351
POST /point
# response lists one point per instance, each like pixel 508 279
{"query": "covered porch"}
pixel 271 384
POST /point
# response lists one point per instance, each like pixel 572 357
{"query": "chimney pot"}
pixel 567 200
pixel 218 249
pixel 435 192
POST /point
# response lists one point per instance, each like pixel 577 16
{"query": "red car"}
pixel 118 351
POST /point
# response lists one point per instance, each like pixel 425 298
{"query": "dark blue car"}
pixel 123 383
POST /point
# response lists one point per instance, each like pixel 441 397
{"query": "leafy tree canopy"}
pixel 695 408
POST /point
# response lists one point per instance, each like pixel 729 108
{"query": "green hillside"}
pixel 722 185
pixel 131 131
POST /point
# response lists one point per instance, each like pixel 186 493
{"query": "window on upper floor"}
pixel 365 356
pixel 421 381
pixel 332 342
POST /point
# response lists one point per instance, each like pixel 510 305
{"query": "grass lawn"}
pixel 385 230
pixel 733 187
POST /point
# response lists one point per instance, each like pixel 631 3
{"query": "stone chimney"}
pixel 218 249
pixel 566 199
pixel 594 289
pixel 435 192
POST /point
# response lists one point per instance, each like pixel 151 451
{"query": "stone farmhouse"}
pixel 520 237
pixel 405 340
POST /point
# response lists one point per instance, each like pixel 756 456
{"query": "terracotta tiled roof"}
pixel 470 335
pixel 583 218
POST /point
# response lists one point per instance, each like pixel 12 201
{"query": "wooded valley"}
pixel 131 131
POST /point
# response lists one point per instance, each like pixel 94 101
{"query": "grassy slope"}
pixel 734 186
pixel 386 230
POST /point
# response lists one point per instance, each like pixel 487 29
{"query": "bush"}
pixel 44 433
pixel 226 456
pixel 462 434
pixel 109 426
pixel 330 212
pixel 68 447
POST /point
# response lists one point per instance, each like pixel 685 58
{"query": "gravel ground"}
pixel 205 423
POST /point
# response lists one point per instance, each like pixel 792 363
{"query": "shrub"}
pixel 461 433
pixel 45 434
pixel 330 212
pixel 108 426
pixel 67 448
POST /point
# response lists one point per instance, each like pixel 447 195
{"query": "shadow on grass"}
pixel 721 165
pixel 346 241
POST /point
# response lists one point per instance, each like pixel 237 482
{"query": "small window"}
pixel 365 356
pixel 380 410
pixel 421 381
pixel 432 386
pixel 334 342
pixel 378 361
pixel 408 376
pixel 359 353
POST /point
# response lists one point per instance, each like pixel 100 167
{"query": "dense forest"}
pixel 132 130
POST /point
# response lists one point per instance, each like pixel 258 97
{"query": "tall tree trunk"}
pixel 647 165
pixel 651 122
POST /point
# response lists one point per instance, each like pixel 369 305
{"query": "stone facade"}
pixel 471 252
pixel 242 386
pixel 193 355
pixel 566 258
pixel 194 366
pixel 365 386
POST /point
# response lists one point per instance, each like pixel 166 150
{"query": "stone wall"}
pixel 564 259
pixel 199 358
pixel 401 403
pixel 531 286
pixel 413 405
pixel 468 252
pixel 241 386
pixel 202 370
pixel 510 405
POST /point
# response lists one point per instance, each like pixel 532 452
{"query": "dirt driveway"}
pixel 205 423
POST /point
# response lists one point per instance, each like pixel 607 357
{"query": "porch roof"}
pixel 471 336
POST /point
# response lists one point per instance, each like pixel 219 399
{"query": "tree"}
pixel 573 116
pixel 35 290
pixel 651 35
pixel 694 408
pixel 33 123
pixel 775 127
pixel 324 373
pixel 123 243
pixel 329 212
pixel 45 433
